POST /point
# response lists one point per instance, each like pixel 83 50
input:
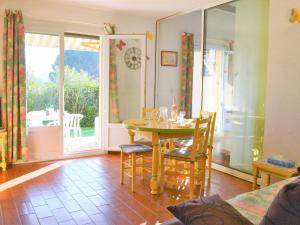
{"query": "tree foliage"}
pixel 81 94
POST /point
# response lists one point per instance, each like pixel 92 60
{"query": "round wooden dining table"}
pixel 156 131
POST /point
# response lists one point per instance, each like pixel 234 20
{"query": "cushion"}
pixel 285 208
pixel 135 148
pixel 208 211
pixel 182 153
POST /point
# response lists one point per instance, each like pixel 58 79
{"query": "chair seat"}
pixel 184 142
pixel 135 148
pixel 182 153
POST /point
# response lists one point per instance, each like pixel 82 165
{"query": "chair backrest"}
pixel 149 113
pixel 72 120
pixel 201 135
pixel 212 126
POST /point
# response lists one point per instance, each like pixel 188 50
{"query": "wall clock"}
pixel 132 58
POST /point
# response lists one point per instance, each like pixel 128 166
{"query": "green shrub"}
pixel 81 95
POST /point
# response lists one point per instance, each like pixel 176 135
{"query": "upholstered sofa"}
pixel 253 205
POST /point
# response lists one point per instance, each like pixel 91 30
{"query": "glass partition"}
pixel 125 76
pixel 234 79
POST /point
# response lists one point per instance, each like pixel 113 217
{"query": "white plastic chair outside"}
pixel 72 122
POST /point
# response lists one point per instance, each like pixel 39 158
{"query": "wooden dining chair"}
pixel 197 154
pixel 189 141
pixel 132 158
pixel 147 114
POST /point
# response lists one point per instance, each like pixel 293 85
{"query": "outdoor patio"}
pixel 87 141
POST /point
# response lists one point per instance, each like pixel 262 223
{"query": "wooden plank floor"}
pixel 87 191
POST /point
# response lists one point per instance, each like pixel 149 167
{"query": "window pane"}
pixel 124 79
pixel 81 93
pixel 42 67
pixel 234 80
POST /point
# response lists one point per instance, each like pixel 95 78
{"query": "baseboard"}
pixel 66 157
pixel 235 173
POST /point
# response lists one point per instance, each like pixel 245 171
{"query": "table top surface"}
pixel 159 127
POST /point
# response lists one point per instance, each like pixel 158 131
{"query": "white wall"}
pixel 168 78
pixel 282 123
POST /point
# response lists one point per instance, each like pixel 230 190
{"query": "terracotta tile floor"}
pixel 87 191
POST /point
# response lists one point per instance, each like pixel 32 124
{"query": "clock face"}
pixel 132 58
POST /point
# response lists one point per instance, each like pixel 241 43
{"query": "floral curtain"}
pixel 186 70
pixel 13 90
pixel 113 84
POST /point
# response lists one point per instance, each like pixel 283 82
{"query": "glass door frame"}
pixel 106 125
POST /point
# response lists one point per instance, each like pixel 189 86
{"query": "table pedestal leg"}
pixel 154 183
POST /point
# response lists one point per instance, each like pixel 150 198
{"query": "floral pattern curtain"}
pixel 13 90
pixel 113 84
pixel 186 70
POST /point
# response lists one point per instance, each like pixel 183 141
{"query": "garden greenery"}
pixel 81 94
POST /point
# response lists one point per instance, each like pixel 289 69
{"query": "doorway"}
pixel 124 68
pixel 81 123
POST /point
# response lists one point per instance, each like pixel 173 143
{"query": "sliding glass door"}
pixel 81 93
pixel 43 96
pixel 42 90
pixel 234 79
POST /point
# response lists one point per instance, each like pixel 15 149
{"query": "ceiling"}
pixel 154 8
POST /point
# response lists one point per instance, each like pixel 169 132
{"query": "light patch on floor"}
pixel 32 175
pixel 73 145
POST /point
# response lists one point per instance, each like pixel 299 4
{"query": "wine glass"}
pixel 181 116
pixel 163 114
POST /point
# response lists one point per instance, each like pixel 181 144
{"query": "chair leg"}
pixel 197 173
pixel 202 173
pixel 162 172
pixel 122 168
pixel 142 167
pixel 192 179
pixel 209 161
pixel 133 173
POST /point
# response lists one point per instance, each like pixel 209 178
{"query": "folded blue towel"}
pixel 283 163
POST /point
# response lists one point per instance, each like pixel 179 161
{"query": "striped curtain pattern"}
pixel 186 71
pixel 113 85
pixel 13 90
